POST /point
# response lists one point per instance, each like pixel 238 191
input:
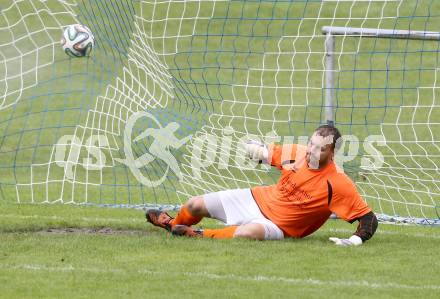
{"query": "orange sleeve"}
pixel 280 155
pixel 346 202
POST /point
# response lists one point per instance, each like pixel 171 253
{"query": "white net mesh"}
pixel 222 71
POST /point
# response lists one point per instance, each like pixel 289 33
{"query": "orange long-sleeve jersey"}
pixel 304 198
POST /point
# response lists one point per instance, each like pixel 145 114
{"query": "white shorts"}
pixel 239 207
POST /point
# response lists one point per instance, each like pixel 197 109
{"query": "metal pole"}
pixel 381 33
pixel 331 32
pixel 329 78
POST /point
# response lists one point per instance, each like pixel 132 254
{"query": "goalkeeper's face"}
pixel 320 151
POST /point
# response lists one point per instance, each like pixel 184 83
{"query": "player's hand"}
pixel 257 151
pixel 352 241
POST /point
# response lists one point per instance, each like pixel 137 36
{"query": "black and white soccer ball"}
pixel 77 40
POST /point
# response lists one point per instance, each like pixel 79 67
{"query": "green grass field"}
pixel 129 259
pixel 257 66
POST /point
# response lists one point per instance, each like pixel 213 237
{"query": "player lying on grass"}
pixel 309 189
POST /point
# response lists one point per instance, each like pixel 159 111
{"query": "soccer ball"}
pixel 77 40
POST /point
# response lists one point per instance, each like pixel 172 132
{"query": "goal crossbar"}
pixel 331 31
pixel 381 33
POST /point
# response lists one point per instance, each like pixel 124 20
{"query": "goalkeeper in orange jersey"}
pixel 309 189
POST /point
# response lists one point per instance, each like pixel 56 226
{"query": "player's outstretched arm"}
pixel 365 230
pixel 275 155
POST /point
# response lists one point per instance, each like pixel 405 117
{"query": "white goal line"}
pixel 257 278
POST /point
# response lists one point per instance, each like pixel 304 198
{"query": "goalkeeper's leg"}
pixel 254 230
pixel 210 205
pixel 236 208
pixel 191 212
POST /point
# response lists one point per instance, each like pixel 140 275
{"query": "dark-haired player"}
pixel 309 190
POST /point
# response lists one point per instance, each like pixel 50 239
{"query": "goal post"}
pixel 332 33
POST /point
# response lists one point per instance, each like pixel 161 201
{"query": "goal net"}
pixel 160 111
